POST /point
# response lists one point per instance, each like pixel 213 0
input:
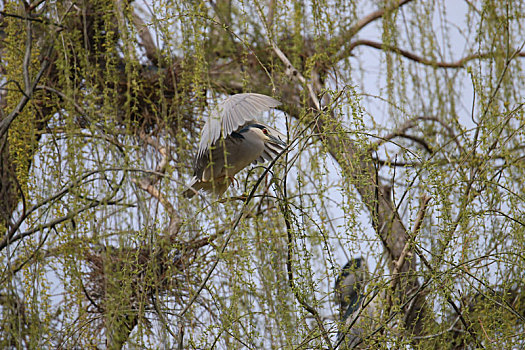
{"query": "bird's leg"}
pixel 233 179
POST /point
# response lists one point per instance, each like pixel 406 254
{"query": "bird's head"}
pixel 267 134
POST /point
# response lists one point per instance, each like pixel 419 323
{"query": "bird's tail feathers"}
pixel 218 188
pixel 191 191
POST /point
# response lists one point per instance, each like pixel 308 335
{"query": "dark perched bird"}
pixel 349 294
pixel 232 139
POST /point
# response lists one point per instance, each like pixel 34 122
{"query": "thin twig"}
pixel 33 19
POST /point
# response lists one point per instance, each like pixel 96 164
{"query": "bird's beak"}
pixel 277 141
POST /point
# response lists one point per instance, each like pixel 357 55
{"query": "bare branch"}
pixel 33 19
pixel 147 183
pixel 27 57
pixel 416 58
pixel 5 123
pixel 346 36
pixel 271 13
pixel 295 74
pixel 398 264
pixel 411 124
pixel 146 40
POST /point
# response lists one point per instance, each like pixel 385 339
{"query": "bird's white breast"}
pixel 244 153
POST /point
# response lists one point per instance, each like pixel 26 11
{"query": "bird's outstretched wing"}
pixel 231 114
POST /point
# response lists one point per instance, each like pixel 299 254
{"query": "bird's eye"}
pixel 265 131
